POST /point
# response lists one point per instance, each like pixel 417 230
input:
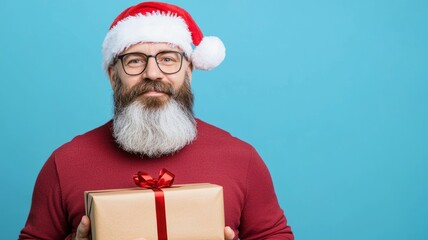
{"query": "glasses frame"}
pixel 120 57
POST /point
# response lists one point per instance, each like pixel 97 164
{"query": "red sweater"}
pixel 94 161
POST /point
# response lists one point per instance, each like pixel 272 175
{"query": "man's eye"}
pixel 167 60
pixel 135 61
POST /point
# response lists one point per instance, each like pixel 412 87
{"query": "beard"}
pixel 153 126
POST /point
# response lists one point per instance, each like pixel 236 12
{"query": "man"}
pixel 149 58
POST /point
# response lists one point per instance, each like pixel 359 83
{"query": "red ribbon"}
pixel 165 179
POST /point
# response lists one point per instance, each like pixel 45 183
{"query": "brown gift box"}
pixel 193 212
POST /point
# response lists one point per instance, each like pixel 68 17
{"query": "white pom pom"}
pixel 208 54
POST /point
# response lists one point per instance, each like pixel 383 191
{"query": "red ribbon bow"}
pixel 165 179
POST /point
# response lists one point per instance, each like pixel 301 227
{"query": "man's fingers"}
pixel 229 234
pixel 83 229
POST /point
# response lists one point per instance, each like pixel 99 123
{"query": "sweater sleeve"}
pixel 262 217
pixel 47 218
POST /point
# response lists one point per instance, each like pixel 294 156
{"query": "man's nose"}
pixel 152 70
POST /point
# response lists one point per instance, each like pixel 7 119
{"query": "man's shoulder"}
pixel 94 137
pixel 210 133
pixel 208 130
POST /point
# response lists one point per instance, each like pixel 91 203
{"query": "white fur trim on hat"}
pixel 152 27
pixel 209 53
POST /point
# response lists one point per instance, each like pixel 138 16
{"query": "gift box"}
pixel 190 211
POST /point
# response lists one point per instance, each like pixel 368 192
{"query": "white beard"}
pixel 154 132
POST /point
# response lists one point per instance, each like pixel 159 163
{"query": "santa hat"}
pixel 162 22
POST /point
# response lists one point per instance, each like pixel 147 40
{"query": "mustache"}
pixel 150 85
pixel 123 96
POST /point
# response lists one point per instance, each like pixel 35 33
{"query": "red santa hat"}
pixel 162 22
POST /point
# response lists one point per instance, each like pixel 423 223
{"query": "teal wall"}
pixel 333 94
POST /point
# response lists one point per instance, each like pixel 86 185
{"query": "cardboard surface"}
pixel 193 212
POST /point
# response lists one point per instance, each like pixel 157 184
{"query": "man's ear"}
pixel 189 71
pixel 111 73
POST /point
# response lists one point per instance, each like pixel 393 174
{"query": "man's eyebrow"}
pixel 167 50
pixel 170 47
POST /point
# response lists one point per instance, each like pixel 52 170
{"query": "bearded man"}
pixel 149 60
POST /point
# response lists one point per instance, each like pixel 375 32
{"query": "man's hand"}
pixel 229 234
pixel 83 229
pixel 85 226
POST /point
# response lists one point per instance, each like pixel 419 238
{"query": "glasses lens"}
pixel 169 62
pixel 134 63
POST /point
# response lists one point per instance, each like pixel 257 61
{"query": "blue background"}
pixel 333 94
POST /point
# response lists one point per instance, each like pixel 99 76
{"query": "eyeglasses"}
pixel 169 62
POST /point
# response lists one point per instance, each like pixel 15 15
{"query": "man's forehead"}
pixel 151 47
